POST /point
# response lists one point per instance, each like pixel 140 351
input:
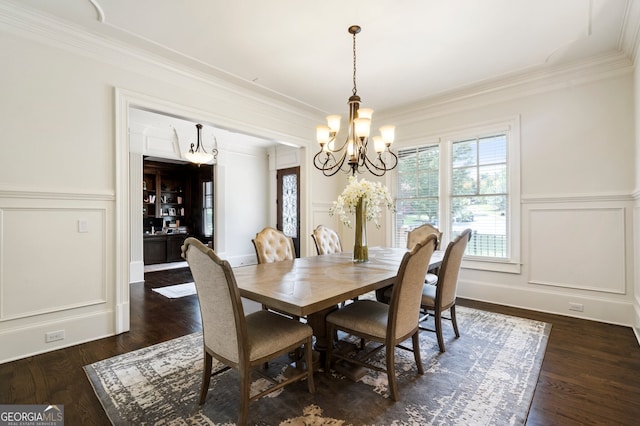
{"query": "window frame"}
pixel 205 195
pixel 445 139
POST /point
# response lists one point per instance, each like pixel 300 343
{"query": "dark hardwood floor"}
pixel 590 374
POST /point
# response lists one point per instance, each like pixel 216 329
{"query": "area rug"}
pixel 486 377
pixel 177 290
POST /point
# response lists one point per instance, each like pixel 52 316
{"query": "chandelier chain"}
pixel 355 90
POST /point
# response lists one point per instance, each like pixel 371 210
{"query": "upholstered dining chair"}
pixel 413 237
pixel 240 342
pixel 418 234
pixel 273 245
pixel 391 324
pixel 327 240
pixel 443 296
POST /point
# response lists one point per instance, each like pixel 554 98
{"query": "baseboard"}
pixel 542 300
pixel 29 340
pixel 136 272
pixel 241 260
pixel 636 320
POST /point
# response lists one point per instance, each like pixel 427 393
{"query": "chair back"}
pixel 404 307
pixel 273 246
pixel 450 269
pixel 327 240
pixel 420 233
pixel 223 325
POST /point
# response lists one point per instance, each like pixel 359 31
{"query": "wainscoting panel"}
pixel 578 247
pixel 321 216
pixel 38 245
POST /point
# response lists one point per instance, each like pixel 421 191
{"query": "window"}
pixel 207 208
pixel 417 200
pixel 479 194
pixel 466 180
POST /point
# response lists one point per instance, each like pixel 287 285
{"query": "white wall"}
pixel 577 179
pixel 65 160
pixel 243 200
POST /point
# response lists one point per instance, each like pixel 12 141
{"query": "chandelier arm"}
pixel 344 145
pixel 371 166
pixel 375 170
pixel 329 170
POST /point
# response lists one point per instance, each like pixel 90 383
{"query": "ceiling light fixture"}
pixel 199 155
pixel 353 151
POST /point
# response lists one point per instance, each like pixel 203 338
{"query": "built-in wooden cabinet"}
pixel 173 207
pixel 164 193
pixel 163 248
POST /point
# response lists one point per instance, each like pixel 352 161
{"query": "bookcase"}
pixel 164 192
pixel 173 208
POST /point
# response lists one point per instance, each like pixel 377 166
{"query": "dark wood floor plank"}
pixel 590 374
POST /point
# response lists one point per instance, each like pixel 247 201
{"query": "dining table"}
pixel 314 286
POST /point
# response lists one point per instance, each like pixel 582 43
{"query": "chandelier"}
pixel 354 151
pixel 199 155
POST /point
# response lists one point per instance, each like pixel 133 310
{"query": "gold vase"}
pixel 360 249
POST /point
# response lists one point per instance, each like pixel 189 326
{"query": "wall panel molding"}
pixel 24 193
pixel 611 310
pixel 581 247
pixel 577 198
pixel 36 244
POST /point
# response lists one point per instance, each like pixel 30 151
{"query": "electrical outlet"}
pixel 54 336
pixel 578 307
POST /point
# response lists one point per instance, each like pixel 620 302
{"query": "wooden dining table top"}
pixel 307 285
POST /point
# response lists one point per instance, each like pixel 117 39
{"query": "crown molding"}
pixel 34 25
pixel 99 11
pixel 630 35
pixel 38 26
pixel 513 86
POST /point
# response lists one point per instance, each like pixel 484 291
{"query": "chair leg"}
pixel 206 376
pixel 416 350
pixel 391 372
pixel 245 390
pixel 453 320
pixel 309 355
pixel 438 321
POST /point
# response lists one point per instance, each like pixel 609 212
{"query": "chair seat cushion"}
pixel 429 296
pixel 365 316
pixel 269 332
pixel 431 279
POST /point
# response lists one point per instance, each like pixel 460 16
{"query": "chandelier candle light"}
pixel 354 151
pixel 364 199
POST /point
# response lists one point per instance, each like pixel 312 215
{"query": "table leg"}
pixel 317 321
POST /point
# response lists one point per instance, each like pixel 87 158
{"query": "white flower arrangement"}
pixel 374 194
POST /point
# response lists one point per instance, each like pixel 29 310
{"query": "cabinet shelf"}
pixel 165 184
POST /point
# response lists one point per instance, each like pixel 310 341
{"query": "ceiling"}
pixel 407 51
